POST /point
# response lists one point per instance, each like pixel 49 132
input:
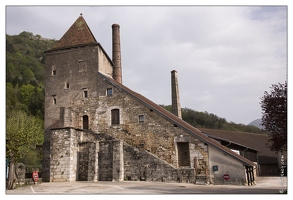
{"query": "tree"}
pixel 26 94
pixel 23 132
pixel 274 119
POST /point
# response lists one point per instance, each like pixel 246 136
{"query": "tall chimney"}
pixel 116 53
pixel 176 108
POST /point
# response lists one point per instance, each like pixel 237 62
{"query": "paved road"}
pixel 265 185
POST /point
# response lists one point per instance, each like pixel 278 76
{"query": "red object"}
pixel 226 177
pixel 35 176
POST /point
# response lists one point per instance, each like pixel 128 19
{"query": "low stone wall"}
pixel 26 181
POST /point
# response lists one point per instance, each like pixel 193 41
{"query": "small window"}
pixel 66 85
pixel 85 94
pixel 141 118
pixel 109 91
pixel 115 119
pixel 54 99
pixel 54 72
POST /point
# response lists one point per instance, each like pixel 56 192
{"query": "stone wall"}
pixel 105 161
pixel 75 150
pixel 87 161
pixel 156 134
pixel 144 166
pixel 20 173
pixel 60 155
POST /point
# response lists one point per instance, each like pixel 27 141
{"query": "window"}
pixel 54 99
pixel 66 85
pixel 85 94
pixel 85 121
pixel 115 117
pixel 141 118
pixel 109 91
pixel 54 72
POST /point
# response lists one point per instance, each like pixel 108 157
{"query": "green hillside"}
pixel 25 72
pixel 212 121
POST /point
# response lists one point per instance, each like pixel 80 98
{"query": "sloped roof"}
pixel 79 34
pixel 176 120
pixel 255 141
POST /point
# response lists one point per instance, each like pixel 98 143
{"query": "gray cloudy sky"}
pixel 225 56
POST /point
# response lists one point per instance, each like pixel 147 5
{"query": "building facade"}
pixel 97 129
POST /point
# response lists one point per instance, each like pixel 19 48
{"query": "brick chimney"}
pixel 116 53
pixel 176 108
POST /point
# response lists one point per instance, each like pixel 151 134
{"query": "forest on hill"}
pixel 212 121
pixel 25 59
pixel 25 72
pixel 25 90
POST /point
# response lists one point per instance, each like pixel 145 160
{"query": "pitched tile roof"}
pixel 255 141
pixel 79 34
pixel 176 120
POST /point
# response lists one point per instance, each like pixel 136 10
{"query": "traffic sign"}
pixel 226 177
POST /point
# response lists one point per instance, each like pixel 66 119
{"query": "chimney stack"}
pixel 176 108
pixel 116 53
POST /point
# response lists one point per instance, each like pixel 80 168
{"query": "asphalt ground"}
pixel 264 185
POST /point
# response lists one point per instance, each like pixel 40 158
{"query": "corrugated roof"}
pixel 177 121
pixel 79 34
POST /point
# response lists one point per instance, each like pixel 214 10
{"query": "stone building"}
pixel 97 129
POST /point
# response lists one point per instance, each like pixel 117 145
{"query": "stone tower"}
pixel 176 108
pixel 71 82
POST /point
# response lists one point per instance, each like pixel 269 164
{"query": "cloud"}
pixel 225 56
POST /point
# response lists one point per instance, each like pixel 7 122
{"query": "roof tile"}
pixel 79 34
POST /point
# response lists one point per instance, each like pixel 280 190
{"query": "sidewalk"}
pixel 271 181
pixel 264 185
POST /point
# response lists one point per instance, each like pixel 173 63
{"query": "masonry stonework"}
pixel 96 129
